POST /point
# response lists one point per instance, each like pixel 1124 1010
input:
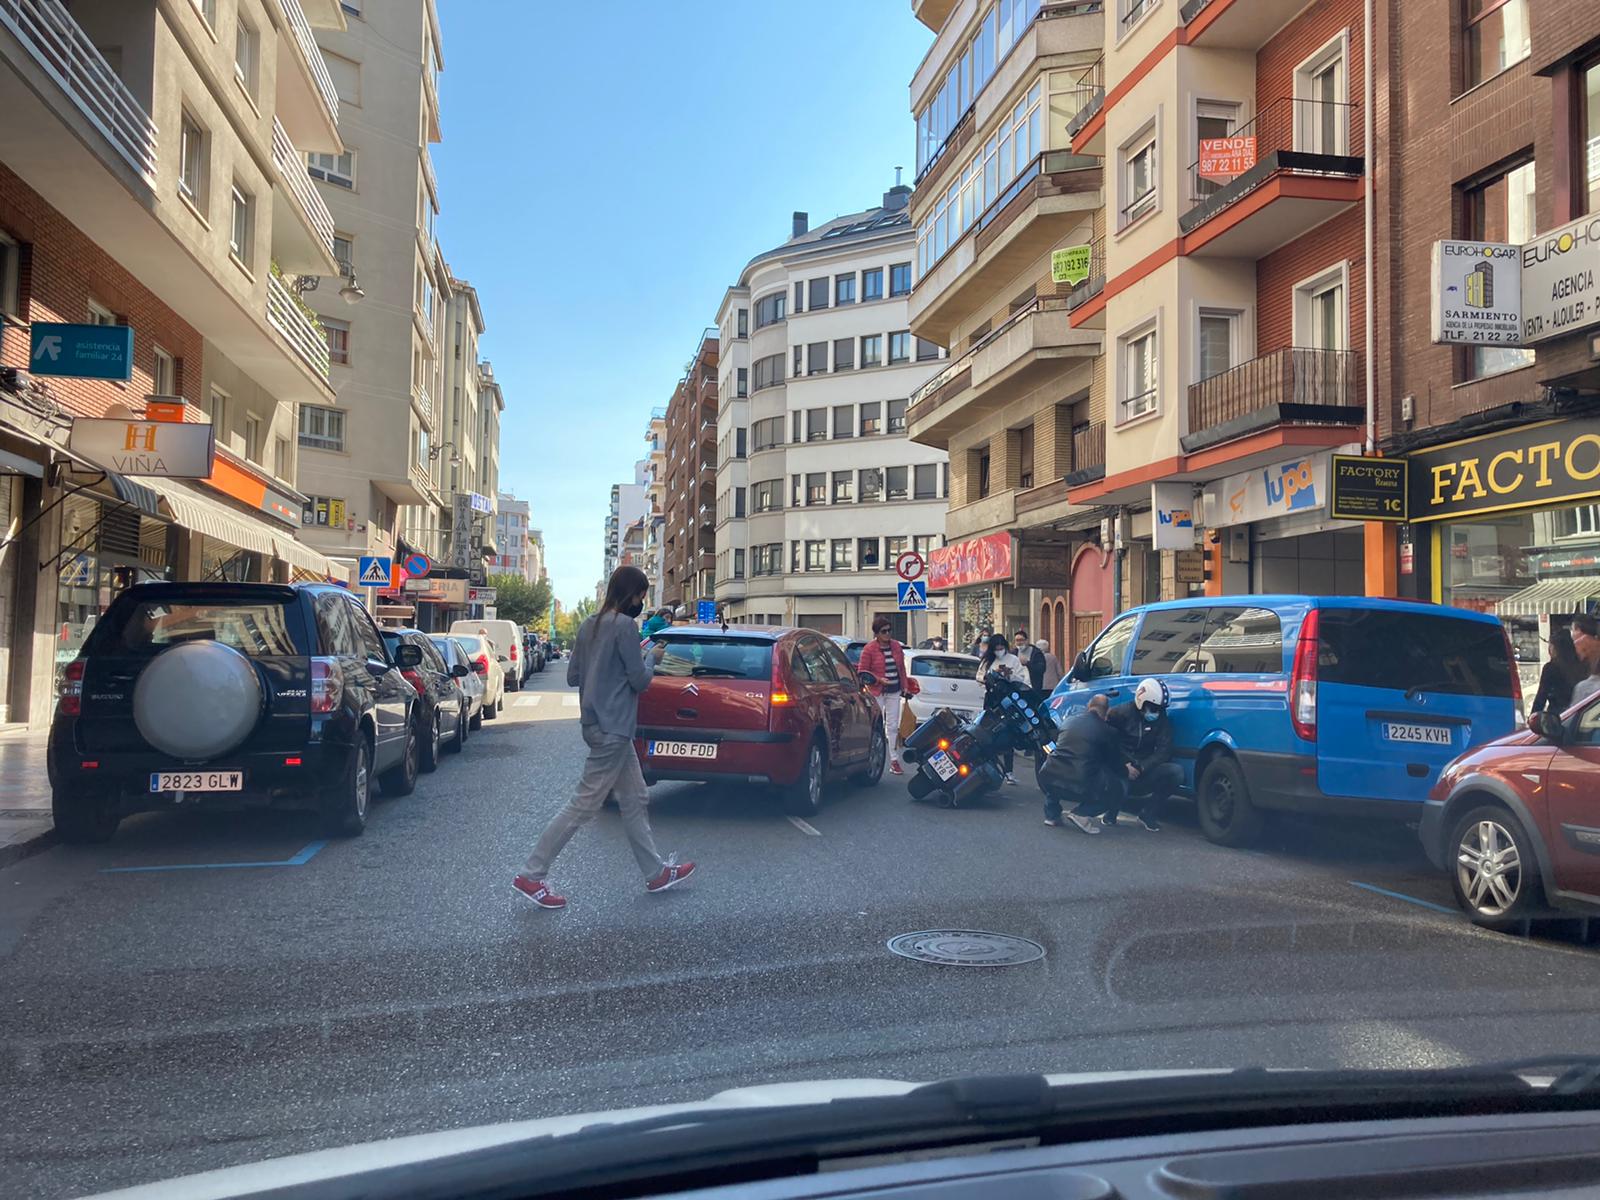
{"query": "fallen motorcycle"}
pixel 958 761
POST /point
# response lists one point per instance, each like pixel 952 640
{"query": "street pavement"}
pixel 165 1010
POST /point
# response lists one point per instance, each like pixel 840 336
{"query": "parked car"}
pixel 851 647
pixel 490 667
pixel 533 653
pixel 507 638
pixel 231 694
pixel 947 681
pixel 441 712
pixel 472 686
pixel 770 706
pixel 1343 705
pixel 1516 823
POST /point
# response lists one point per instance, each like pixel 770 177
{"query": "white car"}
pixel 947 681
pixel 485 662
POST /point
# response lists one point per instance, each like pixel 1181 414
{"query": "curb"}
pixel 17 851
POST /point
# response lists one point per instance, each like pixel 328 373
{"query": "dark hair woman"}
pixel 1558 676
pixel 997 656
pixel 608 667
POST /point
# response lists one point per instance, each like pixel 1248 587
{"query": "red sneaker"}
pixel 538 891
pixel 671 875
pixel 894 769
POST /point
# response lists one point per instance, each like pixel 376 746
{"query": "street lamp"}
pixel 350 293
pixel 435 451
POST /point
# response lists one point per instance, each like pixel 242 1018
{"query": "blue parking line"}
pixel 1372 887
pixel 299 860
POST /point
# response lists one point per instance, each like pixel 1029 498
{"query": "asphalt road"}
pixel 159 1022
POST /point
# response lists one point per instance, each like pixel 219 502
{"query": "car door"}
pixel 392 695
pixel 441 686
pixel 860 707
pixel 1105 664
pixel 1572 805
pixel 825 696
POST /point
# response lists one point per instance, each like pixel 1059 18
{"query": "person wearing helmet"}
pixel 1145 730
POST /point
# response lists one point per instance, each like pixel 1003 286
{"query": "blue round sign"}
pixel 417 565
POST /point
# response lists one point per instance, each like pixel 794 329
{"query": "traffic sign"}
pixel 706 612
pixel 913 595
pixel 374 570
pixel 81 351
pixel 908 564
pixel 417 565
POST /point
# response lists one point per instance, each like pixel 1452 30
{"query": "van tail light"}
pixel 70 693
pixel 481 664
pixel 327 685
pixel 414 678
pixel 513 652
pixel 1303 680
pixel 1516 677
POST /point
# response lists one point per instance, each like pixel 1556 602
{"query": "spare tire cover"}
pixel 197 700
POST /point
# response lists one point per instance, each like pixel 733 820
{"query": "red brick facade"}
pixel 1335 241
pixel 1299 40
pixel 61 270
pixel 687 537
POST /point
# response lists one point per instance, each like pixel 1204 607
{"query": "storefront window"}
pixel 105 549
pixel 1488 565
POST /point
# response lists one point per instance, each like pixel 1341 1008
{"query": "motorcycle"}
pixel 958 761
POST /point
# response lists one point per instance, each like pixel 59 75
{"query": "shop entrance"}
pixel 1325 563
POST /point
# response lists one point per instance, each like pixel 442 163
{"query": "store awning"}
pixel 193 509
pixel 1550 596
pixel 298 554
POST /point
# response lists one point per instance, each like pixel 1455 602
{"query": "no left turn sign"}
pixel 909 565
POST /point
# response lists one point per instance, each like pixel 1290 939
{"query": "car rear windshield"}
pixel 944 667
pixel 716 657
pixel 256 628
pixel 472 642
pixel 1406 651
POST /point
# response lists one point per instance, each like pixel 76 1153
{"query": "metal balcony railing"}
pixel 1089 95
pixel 1096 282
pixel 59 45
pixel 1132 10
pixel 294 16
pixel 964 361
pixel 1294 376
pixel 291 165
pixel 284 315
pixel 1290 133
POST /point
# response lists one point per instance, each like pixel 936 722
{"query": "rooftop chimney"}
pixel 802 222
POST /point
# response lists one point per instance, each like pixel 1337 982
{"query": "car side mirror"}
pixel 1080 666
pixel 866 678
pixel 407 656
pixel 460 671
pixel 1548 726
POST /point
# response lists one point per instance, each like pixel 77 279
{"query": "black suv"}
pixel 231 694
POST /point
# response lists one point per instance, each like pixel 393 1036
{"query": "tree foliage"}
pixel 568 620
pixel 525 603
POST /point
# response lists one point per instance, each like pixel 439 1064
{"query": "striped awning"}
pixel 1551 596
pixel 193 509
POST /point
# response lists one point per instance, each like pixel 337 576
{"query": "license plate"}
pixel 681 749
pixel 1424 735
pixel 197 781
pixel 940 762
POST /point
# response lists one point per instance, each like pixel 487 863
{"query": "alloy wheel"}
pixel 1489 867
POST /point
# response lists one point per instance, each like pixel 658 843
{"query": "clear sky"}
pixel 607 170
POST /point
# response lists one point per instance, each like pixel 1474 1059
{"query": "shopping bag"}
pixel 908 721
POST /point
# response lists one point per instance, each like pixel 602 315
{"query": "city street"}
pixel 291 994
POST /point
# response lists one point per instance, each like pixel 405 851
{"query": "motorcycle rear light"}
pixel 291 761
pixel 964 769
pixel 70 694
pixel 327 685
pixel 944 743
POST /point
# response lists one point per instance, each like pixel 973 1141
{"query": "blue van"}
pixel 1346 705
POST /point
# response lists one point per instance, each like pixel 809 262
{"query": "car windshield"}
pixel 942 666
pixel 148 627
pixel 474 645
pixel 720 657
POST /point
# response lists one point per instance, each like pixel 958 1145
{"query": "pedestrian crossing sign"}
pixel 913 594
pixel 375 570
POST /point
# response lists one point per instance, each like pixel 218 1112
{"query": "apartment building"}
pixel 513 538
pixel 818 489
pixel 627 506
pixel 1020 405
pixel 152 177
pixel 655 496
pixel 376 450
pixel 467 441
pixel 688 533
pixel 536 556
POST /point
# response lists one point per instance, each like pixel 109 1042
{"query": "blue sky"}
pixel 607 170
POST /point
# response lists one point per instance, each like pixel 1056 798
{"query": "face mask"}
pixel 634 609
pixel 1151 716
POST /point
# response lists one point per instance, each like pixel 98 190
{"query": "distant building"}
pixel 514 540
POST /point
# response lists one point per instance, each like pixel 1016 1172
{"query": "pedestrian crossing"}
pixel 538 697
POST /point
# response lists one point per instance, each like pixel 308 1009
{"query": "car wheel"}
pixel 1495 876
pixel 344 809
pixel 1227 816
pixel 83 820
pixel 491 711
pixel 804 796
pixel 877 756
pixel 477 719
pixel 428 749
pixel 458 743
pixel 401 779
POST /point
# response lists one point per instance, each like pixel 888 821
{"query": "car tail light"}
pixel 70 693
pixel 481 664
pixel 1516 676
pixel 1303 680
pixel 292 761
pixel 780 697
pixel 327 685
pixel 414 678
pixel 778 693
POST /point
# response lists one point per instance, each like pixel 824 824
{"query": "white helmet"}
pixel 1150 692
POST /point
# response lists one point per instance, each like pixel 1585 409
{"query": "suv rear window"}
pixel 1426 651
pixel 725 657
pixel 150 626
pixel 934 667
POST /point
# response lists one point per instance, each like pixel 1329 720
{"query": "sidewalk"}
pixel 25 824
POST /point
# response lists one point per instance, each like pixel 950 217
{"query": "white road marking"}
pixel 805 827
pixel 569 702
pixel 527 701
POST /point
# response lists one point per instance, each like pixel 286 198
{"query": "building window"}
pixel 843 489
pixel 99 314
pixel 799 296
pixel 246 56
pixel 796 491
pixel 1502 210
pixel 193 151
pixel 844 420
pixel 769 310
pixel 164 378
pixel 216 409
pixel 1495 36
pixel 900 346
pixel 337 169
pixel 738 564
pixel 1138 176
pixel 894 547
pixel 900 279
pixel 252 437
pixel 768 371
pixel 739 442
pixel 925 543
pixel 1215 345
pixel 1139 373
pixel 767 432
pixel 799 360
pixel 816 556
pixel 925 481
pixel 926 350
pixel 816 358
pixel 867 554
pixel 870 480
pixel 744 320
pixel 1320 124
pixel 843 554
pixel 742 386
pixel 338 333
pixel 897 482
pixel 10 276
pixel 816 488
pixel 280 458
pixel 872 284
pixel 872 350
pixel 844 351
pixel 208 11
pixel 844 289
pixel 738 502
pixel 897 416
pixel 321 428
pixel 765 496
pixel 983 474
pixel 816 424
pixel 1024 457
pixel 819 294
pixel 871 417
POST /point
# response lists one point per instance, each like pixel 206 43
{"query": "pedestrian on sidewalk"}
pixel 1052 667
pixel 998 660
pixel 1086 765
pixel 608 667
pixel 1145 730
pixel 1586 641
pixel 884 659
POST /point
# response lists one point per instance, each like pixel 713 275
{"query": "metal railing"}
pixel 1289 125
pixel 1192 9
pixel 1096 282
pixel 419 392
pixel 292 166
pixel 1049 162
pixel 1091 94
pixel 427 171
pixel 284 315
pixel 60 46
pixel 1132 10
pixel 1296 375
pixel 294 16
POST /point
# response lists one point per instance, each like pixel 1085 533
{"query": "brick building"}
pixel 688 536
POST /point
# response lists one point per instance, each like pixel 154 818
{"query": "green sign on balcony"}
pixel 1070 264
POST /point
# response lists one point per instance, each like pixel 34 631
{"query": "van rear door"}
pixel 1401 691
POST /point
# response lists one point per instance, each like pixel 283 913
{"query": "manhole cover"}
pixel 966 948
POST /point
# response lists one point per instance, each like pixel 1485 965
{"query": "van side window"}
pixel 1240 640
pixel 1110 649
pixel 1168 640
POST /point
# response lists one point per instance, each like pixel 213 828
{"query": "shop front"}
pixel 1509 523
pixel 979 576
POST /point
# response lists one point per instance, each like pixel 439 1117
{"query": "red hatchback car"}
pixel 1516 821
pixel 762 705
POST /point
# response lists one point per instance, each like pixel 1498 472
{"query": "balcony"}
pixel 1091 102
pixel 1086 303
pixel 1298 172
pixel 1236 24
pixel 423 402
pixel 1052 200
pixel 932 13
pixel 1033 344
pixel 302 229
pixel 307 100
pixel 1088 455
pixel 285 315
pixel 1294 386
pixel 58 46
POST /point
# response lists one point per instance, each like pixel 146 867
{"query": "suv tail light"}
pixel 1303 680
pixel 414 678
pixel 481 664
pixel 70 691
pixel 327 685
pixel 1516 677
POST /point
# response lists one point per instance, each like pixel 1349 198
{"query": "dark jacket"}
pixel 1555 689
pixel 1033 661
pixel 1145 744
pixel 1088 752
